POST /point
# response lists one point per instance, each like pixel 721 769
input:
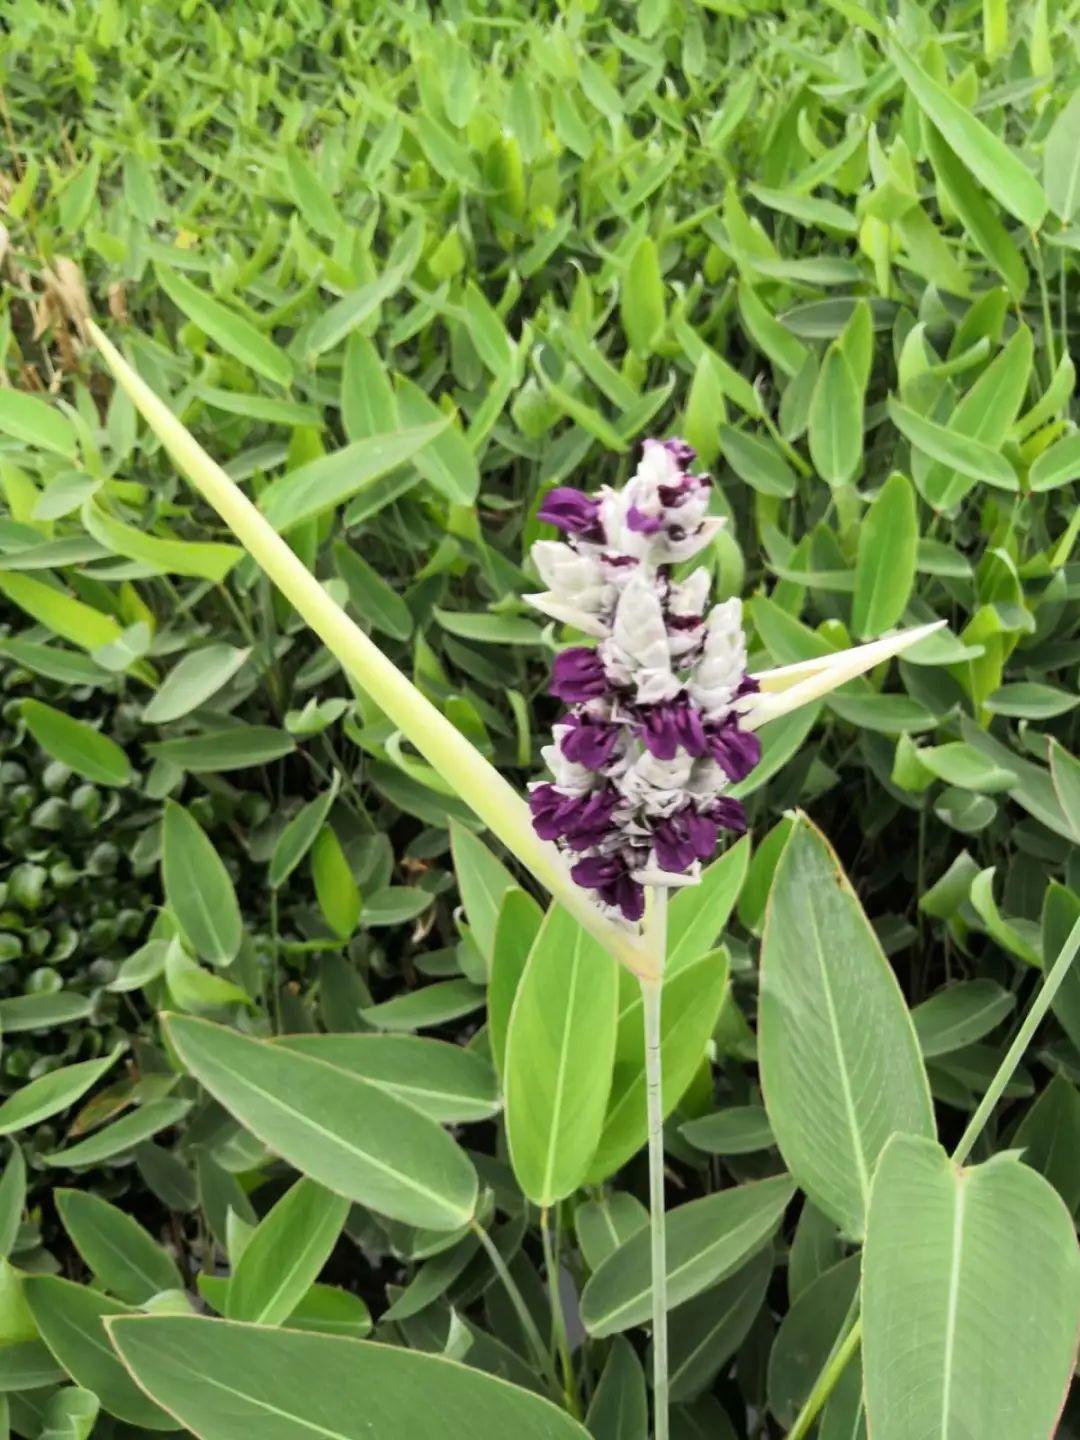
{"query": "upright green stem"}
pixel 656 938
pixel 514 1295
pixel 560 1338
pixel 827 1380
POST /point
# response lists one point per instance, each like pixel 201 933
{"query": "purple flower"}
pixel 610 877
pixel 671 724
pixel 735 751
pixel 578 675
pixel 573 511
pixel 651 737
pixel 589 742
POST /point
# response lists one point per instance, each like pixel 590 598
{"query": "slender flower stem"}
pixel 656 937
pixel 827 1380
pixel 560 1339
pixel 521 1310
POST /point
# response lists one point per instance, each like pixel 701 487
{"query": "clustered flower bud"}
pixel 651 737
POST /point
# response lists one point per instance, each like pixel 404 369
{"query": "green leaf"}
pixel 641 302
pixel 450 1084
pixel 758 462
pixel 948 447
pixel 284 1256
pixel 122 1135
pixel 194 680
pixel 233 333
pixel 958 763
pixel 447 463
pixel 619 1409
pixel 741 1130
pixel 806 1336
pixel 1049 1138
pixel 885 567
pixel 322 484
pixel 483 882
pixel 516 929
pixel 226 1381
pixel 127 1261
pixel 335 888
pixel 959 1015
pixel 198 888
pixel 70 1318
pixel 52 1092
pixel 297 838
pixel 948 1253
pixel 690 1005
pixel 1058 465
pixel 977 215
pixel 77 745
pixel 240 747
pixel 836 420
pixel 311 196
pixel 71 619
pixel 1065 777
pixel 348 1134
pixel 559 1054
pixel 989 159
pixel 698 914
pixel 370 596
pixel 35 422
pixel 165 557
pixel 708 1240
pixel 840 1065
pixel 707 1331
pixel 1061 162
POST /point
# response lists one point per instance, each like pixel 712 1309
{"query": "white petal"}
pixel 549 604
pixel 792 686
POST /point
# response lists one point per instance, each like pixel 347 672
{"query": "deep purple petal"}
pixel 729 814
pixel 641 523
pixel 574 512
pixel 671 724
pixel 590 743
pixel 578 675
pixel 735 751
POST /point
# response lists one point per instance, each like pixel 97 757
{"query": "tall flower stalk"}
pixel 661 716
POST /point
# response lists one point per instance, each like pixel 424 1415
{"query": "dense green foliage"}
pixel 401 272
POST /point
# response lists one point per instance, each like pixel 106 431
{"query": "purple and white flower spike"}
pixel 653 733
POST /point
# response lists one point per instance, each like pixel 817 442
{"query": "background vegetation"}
pixel 563 228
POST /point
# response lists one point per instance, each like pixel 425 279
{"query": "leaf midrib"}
pixel 953 1303
pixel 560 1072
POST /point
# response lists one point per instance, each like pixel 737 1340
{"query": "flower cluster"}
pixel 651 737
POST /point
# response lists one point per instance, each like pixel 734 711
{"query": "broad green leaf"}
pixel 240 747
pixel 949 1251
pixel 35 422
pixel 284 1256
pixel 606 1223
pixel 560 1049
pixel 125 1259
pixel 836 420
pixel 332 479
pixel 619 1410
pixel 977 215
pixel 198 888
pixel 311 196
pixel 165 557
pixel 226 1381
pixel 297 838
pixel 707 1240
pixel 1061 161
pixel 959 1015
pixel 43 1010
pixel 758 461
pixel 1048 1138
pixel 950 448
pixel 516 928
pixel 989 159
pixel 345 1132
pixel 122 1135
pixel 690 1005
pixel 450 1084
pixel 958 763
pixel 840 1065
pixel 1065 777
pixel 71 619
pixel 335 888
pixel 707 1331
pixel 77 745
pixel 641 301
pixel 52 1092
pixel 12 1200
pixel 806 1336
pixel 194 680
pixel 740 1130
pixel 446 462
pixel 885 567
pixel 1059 465
pixel 235 335
pixel 483 881
pixel 70 1318
pixel 371 597
pixel 698 914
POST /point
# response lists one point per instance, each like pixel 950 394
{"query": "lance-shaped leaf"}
pixel 479 783
pixel 971 1298
pixel 840 1064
